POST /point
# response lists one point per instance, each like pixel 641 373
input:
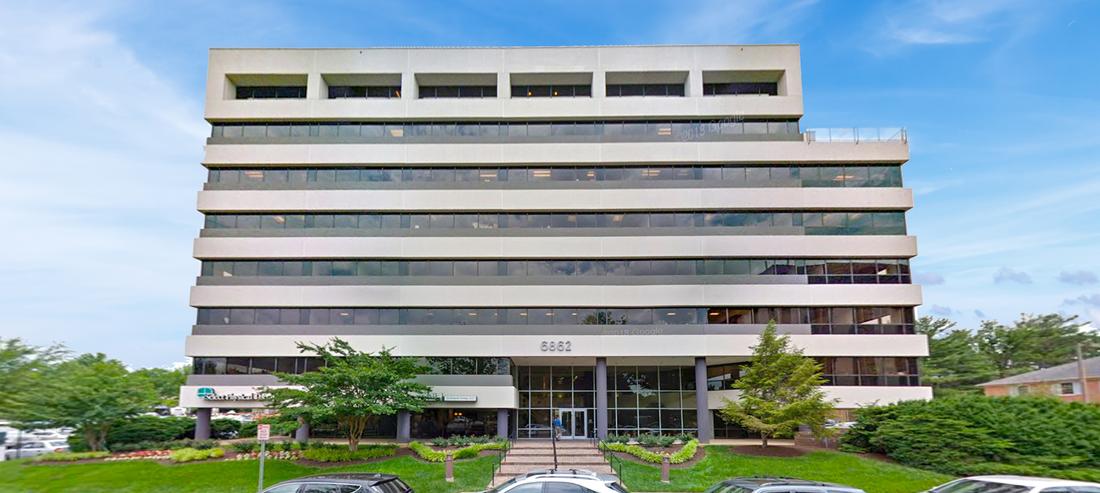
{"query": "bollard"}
pixel 665 466
pixel 449 475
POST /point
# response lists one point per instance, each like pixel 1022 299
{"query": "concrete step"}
pixel 549 461
pixel 561 451
pixel 563 444
pixel 511 470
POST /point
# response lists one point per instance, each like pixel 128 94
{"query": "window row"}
pixel 815 223
pixel 841 320
pixel 271 92
pixel 552 91
pixel 847 371
pixel 431 92
pixel 383 92
pixel 739 88
pixel 208 365
pixel 820 271
pixel 668 130
pixel 746 176
pixel 622 90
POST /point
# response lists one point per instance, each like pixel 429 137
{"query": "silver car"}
pixel 561 481
pixel 33 448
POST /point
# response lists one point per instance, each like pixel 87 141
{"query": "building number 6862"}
pixel 556 346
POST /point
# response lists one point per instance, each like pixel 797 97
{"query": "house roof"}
pixel 1067 371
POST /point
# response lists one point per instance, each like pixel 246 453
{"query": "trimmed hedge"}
pixel 686 453
pixel 973 434
pixel 432 455
pixel 341 453
pixel 427 453
pixel 194 454
pixel 70 456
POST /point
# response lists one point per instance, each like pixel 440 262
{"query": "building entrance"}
pixel 575 423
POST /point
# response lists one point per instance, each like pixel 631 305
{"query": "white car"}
pixel 35 447
pixel 1015 484
pixel 561 481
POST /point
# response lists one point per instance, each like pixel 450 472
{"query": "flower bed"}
pixel 686 453
pixel 193 454
pixel 269 455
pixel 142 455
pixel 70 456
pixel 468 452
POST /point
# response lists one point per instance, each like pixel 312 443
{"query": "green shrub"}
pixel 475 449
pixel 70 456
pixel 150 429
pixel 684 437
pixel 341 453
pixel 170 445
pixel 244 447
pixel 427 453
pixel 686 453
pixel 617 438
pixel 968 434
pixel 225 429
pixel 194 454
pixel 439 442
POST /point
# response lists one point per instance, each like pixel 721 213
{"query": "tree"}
pixel 165 382
pixel 1034 342
pixel 954 363
pixel 90 393
pixel 780 390
pixel 21 367
pixel 351 387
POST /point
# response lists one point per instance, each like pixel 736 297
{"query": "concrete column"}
pixel 202 423
pixel 404 427
pixel 502 423
pixel 302 433
pixel 601 398
pixel 702 412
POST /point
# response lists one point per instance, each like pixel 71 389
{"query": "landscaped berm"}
pixel 229 476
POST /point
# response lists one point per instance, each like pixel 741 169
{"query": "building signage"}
pixel 209 394
pixel 452 398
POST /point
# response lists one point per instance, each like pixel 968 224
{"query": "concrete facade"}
pixel 786 224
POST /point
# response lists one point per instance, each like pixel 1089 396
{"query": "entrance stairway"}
pixel 529 455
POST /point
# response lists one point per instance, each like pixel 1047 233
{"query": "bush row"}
pixel 194 454
pixel 340 453
pixel 427 453
pixel 966 435
pixel 461 440
pixel 650 440
pixel 468 452
pixel 686 453
pixel 70 456
pixel 169 445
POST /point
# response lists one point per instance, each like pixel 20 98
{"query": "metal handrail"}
pixel 856 135
pixel 498 464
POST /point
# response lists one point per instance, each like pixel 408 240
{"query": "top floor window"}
pixel 382 92
pixel 739 88
pixel 271 92
pixel 435 92
pixel 621 90
pixel 551 91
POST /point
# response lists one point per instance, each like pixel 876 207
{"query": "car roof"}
pixel 1031 481
pixel 764 481
pixel 569 473
pixel 366 479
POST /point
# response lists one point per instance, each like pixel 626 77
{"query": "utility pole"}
pixel 1082 372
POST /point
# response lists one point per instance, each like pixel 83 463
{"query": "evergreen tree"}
pixel 954 364
pixel 780 390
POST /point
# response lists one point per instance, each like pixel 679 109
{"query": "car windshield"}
pixel 978 486
pixel 502 486
pixel 727 488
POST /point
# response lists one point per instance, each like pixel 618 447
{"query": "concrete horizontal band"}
pixel 557 200
pixel 532 329
pixel 845 397
pixel 724 345
pixel 430 247
pixel 539 295
pixel 247 396
pixel 571 153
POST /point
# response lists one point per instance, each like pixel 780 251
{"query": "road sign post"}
pixel 263 434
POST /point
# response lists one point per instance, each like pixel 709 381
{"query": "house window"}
pixel 1067 388
pixel 1022 390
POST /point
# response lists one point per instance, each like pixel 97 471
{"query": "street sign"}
pixel 263 432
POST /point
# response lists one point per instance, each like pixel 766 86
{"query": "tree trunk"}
pixel 763 440
pixel 355 427
pixel 90 437
pixel 103 437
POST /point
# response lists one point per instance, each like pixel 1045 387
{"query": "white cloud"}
pixel 101 169
pixel 928 278
pixel 944 22
pixel 1079 278
pixel 722 21
pixel 1006 274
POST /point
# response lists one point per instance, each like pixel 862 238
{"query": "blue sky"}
pixel 102 131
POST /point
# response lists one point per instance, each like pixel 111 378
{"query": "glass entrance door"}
pixel 575 423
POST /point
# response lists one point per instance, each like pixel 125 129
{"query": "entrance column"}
pixel 301 435
pixel 202 423
pixel 601 398
pixel 404 427
pixel 502 423
pixel 702 413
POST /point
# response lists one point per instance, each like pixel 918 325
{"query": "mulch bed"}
pixel 770 451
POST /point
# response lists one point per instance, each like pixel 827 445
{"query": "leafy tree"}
pixel 780 390
pixel 90 393
pixel 21 367
pixel 954 363
pixel 166 382
pixel 1034 342
pixel 351 387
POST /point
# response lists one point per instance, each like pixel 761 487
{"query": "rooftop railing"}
pixel 856 135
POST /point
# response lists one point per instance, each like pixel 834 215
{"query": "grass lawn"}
pixel 220 476
pixel 720 463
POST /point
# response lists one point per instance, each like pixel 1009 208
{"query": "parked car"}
pixel 767 484
pixel 560 481
pixel 343 483
pixel 1015 484
pixel 32 448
